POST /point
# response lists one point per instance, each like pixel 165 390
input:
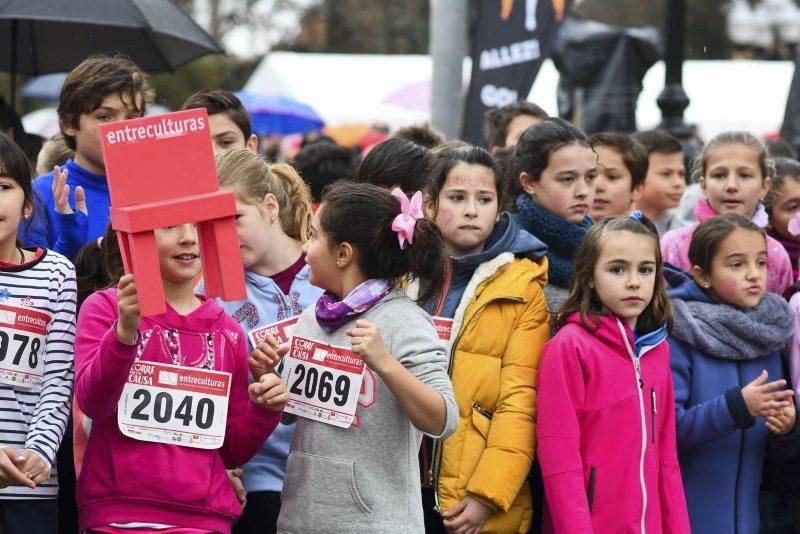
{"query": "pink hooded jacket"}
pixel 606 433
pixel 675 250
pixel 125 480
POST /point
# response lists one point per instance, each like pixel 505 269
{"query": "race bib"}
pixel 444 327
pixel 23 332
pixel 281 331
pixel 324 381
pixel 175 405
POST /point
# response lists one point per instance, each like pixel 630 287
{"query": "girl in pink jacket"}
pixel 169 403
pixel 735 173
pixel 606 414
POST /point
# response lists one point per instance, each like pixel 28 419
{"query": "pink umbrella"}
pixel 415 96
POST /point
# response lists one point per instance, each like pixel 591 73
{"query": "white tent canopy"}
pixel 345 88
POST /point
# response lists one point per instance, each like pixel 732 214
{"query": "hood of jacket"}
pixel 506 236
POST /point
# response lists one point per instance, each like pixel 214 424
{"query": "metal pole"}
pixel 13 97
pixel 673 100
pixel 448 48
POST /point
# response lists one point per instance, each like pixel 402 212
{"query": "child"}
pixel 606 417
pixel 665 181
pixel 503 126
pixel 734 173
pixel 557 170
pixel 365 478
pixel 725 347
pixel 396 163
pixel 782 205
pixel 37 300
pixel 131 482
pixel 479 472
pixel 100 90
pixel 622 168
pixel 228 119
pixel 273 222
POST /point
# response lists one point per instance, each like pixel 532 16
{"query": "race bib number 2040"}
pixel 324 381
pixel 175 405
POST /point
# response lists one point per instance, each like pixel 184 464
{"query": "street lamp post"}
pixel 673 100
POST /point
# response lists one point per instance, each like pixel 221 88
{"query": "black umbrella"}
pixel 44 36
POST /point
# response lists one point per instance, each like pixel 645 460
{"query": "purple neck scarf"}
pixel 332 313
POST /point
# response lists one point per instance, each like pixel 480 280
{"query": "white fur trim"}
pixel 482 273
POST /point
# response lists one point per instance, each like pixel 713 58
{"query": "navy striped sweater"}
pixel 37 297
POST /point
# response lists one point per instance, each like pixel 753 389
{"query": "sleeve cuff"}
pixel 738 409
pixel 40 455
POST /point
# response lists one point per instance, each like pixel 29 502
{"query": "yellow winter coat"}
pixel 498 331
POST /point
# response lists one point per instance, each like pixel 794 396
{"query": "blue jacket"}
pixel 266 303
pixel 66 234
pixel 721 447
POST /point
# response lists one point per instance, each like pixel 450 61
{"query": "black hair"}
pixel 422 135
pixel 449 158
pixel 98 265
pixel 710 233
pixel 15 165
pixel 362 215
pixel 537 143
pixel 321 163
pixel 221 101
pixel 496 121
pixel 396 162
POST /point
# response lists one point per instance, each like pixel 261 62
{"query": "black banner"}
pixel 512 39
pixel 790 130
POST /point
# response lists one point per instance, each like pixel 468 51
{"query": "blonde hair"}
pixel 252 179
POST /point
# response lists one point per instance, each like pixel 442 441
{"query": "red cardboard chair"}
pixel 161 173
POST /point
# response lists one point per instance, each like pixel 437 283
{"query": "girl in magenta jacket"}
pixel 606 415
pixel 132 481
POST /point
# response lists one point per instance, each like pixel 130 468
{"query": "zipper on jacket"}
pixel 653 415
pixel 437 445
pixel 739 465
pixel 483 411
pixel 638 372
pixel 590 489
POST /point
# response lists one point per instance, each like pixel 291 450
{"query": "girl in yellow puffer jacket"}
pixel 493 311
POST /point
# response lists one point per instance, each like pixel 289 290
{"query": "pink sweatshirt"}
pixel 606 433
pixel 125 480
pixel 675 250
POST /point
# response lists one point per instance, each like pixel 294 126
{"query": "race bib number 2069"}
pixel 324 381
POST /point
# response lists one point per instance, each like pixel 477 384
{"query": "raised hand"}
pixel 61 193
pixel 128 305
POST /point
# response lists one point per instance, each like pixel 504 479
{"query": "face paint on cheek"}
pixel 444 217
pixel 727 288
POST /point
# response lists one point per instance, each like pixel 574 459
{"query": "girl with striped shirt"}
pixel 37 328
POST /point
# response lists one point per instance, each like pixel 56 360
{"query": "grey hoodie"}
pixel 366 479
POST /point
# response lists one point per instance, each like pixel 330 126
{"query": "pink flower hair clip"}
pixel 410 213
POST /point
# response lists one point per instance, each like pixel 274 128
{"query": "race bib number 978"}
pixel 324 381
pixel 175 405
pixel 23 332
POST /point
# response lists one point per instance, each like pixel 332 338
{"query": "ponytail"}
pixel 252 179
pixel 296 202
pixel 362 215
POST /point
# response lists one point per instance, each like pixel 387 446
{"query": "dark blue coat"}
pixel 721 447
